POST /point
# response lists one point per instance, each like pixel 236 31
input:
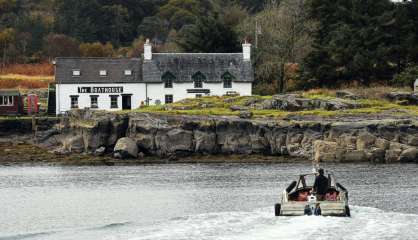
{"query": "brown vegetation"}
pixel 39 69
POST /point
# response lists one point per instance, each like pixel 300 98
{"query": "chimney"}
pixel 246 51
pixel 147 50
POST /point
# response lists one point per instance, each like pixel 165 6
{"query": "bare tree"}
pixel 283 32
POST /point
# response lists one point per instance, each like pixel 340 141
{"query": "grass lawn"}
pixel 220 106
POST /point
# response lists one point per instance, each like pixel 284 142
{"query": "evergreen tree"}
pixel 352 41
pixel 209 34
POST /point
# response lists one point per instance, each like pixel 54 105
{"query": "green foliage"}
pixel 360 40
pixel 209 34
pixel 60 45
pixel 97 50
pixel 407 77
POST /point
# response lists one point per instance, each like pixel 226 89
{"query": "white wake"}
pixel 365 223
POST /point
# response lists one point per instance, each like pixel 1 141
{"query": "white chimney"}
pixel 246 51
pixel 147 50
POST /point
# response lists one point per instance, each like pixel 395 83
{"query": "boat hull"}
pixel 328 208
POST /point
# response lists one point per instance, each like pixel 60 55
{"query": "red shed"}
pixel 10 102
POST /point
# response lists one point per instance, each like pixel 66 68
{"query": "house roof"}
pixel 184 65
pixel 90 67
pixel 9 92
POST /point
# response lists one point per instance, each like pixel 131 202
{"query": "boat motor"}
pixel 310 207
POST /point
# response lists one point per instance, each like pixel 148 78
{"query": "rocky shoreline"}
pixel 138 138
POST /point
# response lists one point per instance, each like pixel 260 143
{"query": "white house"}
pixel 157 78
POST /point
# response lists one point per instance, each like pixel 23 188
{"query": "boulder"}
pixel 126 148
pixel 392 155
pixel 377 155
pixel 382 143
pixel 238 108
pixel 355 156
pixel 325 151
pixel 406 98
pixel 245 114
pixel 73 144
pixel 409 155
pixel 145 142
pixel 365 140
pixel 347 141
pixel 60 151
pixel 413 141
pixel 100 151
pixel 346 94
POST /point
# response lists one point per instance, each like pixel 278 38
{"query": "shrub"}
pixel 407 77
pixel 40 69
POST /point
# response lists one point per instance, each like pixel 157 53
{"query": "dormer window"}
pixel 128 72
pixel 103 73
pixel 76 73
pixel 168 79
pixel 227 79
pixel 198 79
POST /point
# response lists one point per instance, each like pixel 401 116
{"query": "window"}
pixel 114 101
pixel 94 103
pixel 168 99
pixel 74 101
pixel 168 79
pixel 76 73
pixel 198 79
pixel 128 72
pixel 103 73
pixel 227 79
pixel 6 100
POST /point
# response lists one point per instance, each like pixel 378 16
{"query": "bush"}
pixel 407 77
pixel 40 69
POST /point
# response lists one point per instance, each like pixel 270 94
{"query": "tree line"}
pixel 297 43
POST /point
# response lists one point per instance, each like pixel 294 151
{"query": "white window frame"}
pixel 103 73
pixel 128 72
pixel 8 99
pixel 117 101
pixel 76 72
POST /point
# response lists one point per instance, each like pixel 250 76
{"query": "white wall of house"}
pixel 155 92
pixel 65 91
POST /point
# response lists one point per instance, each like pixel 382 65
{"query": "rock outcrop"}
pixel 295 102
pixel 169 136
pixel 406 98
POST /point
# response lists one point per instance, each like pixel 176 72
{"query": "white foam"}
pixel 365 223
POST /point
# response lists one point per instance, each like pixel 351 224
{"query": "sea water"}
pixel 199 201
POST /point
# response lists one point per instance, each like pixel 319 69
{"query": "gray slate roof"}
pixel 90 68
pixel 184 65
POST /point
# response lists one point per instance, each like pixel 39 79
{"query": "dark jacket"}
pixel 321 185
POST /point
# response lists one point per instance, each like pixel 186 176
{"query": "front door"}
pixel 126 102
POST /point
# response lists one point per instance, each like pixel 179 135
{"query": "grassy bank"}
pixel 371 101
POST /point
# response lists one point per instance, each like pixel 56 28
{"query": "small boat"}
pixel 298 199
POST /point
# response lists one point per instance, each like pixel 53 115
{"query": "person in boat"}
pixel 317 211
pixel 321 185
